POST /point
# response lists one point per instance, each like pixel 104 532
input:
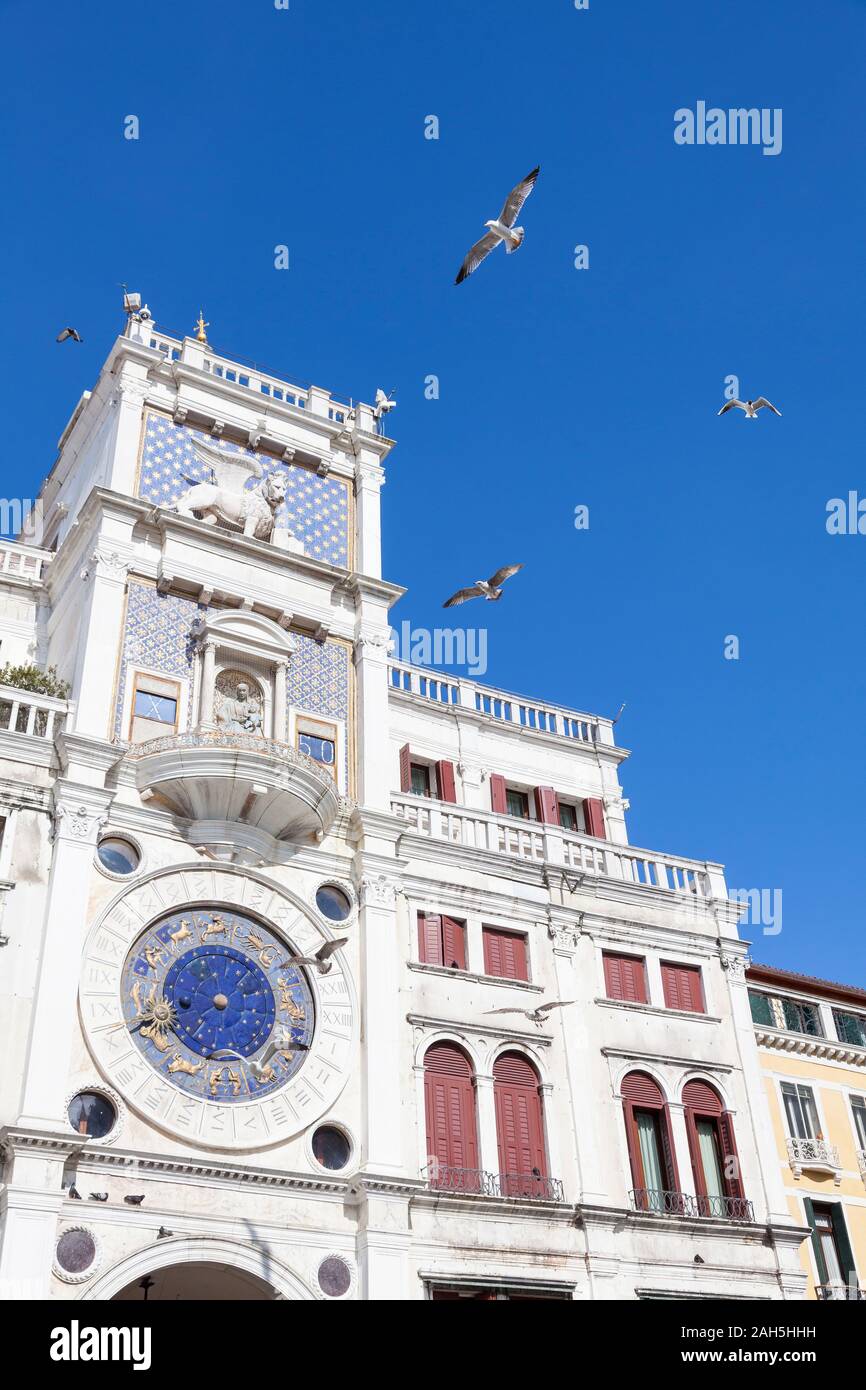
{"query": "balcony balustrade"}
pixel 475 1182
pixel 548 844
pixel 814 1156
pixel 850 1292
pixel 36 716
pixel 22 561
pixel 692 1205
pixel 861 1159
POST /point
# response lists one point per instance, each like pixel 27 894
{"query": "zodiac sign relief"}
pixel 267 954
pixel 233 1079
pixel 183 933
pixel 155 956
pixel 180 1064
pixel 287 1003
pixel 216 927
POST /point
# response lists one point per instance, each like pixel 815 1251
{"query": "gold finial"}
pixel 201 336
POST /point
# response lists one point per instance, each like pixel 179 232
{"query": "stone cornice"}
pixel 458 1025
pixel 690 1063
pixel 803 1046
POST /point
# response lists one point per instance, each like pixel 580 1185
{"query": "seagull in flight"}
pixel 750 408
pixel 69 333
pixel 321 961
pixel 284 1043
pixel 490 589
pixel 501 228
pixel 538 1015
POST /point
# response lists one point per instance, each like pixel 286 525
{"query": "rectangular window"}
pixel 154 708
pixel 625 978
pixel 420 780
pixel 851 1028
pixel 682 988
pixel 802 1018
pixel 568 817
pixel 441 940
pixel 858 1105
pixel 762 1009
pixel 800 1111
pixel 517 803
pixel 505 954
pixel 319 742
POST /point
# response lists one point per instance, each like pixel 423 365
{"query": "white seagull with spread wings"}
pixel 501 228
pixel 750 408
pixel 490 589
pixel 536 1015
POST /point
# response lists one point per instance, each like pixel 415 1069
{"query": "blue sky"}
pixel 558 387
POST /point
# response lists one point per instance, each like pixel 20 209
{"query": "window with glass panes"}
pixel 851 1028
pixel 858 1105
pixel 517 803
pixel 802 1018
pixel 800 1111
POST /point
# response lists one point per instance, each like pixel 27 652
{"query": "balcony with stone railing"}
pixel 814 1156
pixel 542 844
pixel 861 1160
pixel 30 716
pixel 840 1292
pixel 428 686
pixel 22 562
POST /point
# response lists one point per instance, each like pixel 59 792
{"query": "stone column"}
pixel 488 1139
pixel 280 730
pixel 680 1141
pixel 79 813
pixel 377 769
pixel 383 1077
pixel 369 478
pixel 32 1200
pixel 208 686
pixel 100 635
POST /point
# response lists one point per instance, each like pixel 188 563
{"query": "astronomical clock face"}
pixel 214 1003
pixel 196 1014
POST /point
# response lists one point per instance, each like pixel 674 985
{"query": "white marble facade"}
pixel 235 719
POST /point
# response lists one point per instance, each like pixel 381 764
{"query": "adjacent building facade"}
pixel 324 975
pixel 812 1041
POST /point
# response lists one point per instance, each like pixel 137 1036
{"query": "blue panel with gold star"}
pixel 316 509
pixel 215 1004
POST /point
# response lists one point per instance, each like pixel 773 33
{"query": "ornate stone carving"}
pixel 378 890
pixel 74 821
pixel 238 703
pixel 227 502
pixel 735 965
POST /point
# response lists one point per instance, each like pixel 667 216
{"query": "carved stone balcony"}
pixel 814 1156
pixel 238 795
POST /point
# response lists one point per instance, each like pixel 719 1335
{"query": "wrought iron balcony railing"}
pixel 689 1204
pixel 478 1183
pixel 844 1292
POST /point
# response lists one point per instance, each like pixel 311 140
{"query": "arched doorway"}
pixel 201 1282
pixel 199 1267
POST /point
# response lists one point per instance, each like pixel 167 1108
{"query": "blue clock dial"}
pixel 213 1000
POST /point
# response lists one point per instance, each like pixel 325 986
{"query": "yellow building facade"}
pixel 812 1044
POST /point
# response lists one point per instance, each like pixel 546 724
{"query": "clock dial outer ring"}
pixel 261 1122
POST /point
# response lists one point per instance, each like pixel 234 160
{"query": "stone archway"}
pixel 199 1268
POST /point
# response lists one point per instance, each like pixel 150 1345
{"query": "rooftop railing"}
pixel 249 376
pixel 462 692
pixel 36 716
pixel 22 561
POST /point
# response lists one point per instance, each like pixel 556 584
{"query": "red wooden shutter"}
pixel 682 988
pixel 625 978
pixel 498 799
pixel 730 1158
pixel 505 954
pixel 593 811
pixel 641 1092
pixel 449 1098
pixel 405 769
pixel 430 938
pixel 445 779
pixel 700 1099
pixel 547 805
pixel 519 1122
pixel 453 943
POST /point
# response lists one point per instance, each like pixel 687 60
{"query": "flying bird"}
pixel 490 589
pixel 322 959
pixel 70 333
pixel 284 1043
pixel 750 408
pixel 536 1015
pixel 501 228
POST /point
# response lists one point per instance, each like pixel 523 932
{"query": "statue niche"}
pixel 238 704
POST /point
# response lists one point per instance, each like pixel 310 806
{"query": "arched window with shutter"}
pixel 650 1145
pixel 519 1127
pixel 713 1150
pixel 452 1131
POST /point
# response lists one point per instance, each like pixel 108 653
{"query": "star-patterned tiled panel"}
pixel 316 510
pixel 157 636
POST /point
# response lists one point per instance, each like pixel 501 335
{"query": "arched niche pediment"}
pixel 247 632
